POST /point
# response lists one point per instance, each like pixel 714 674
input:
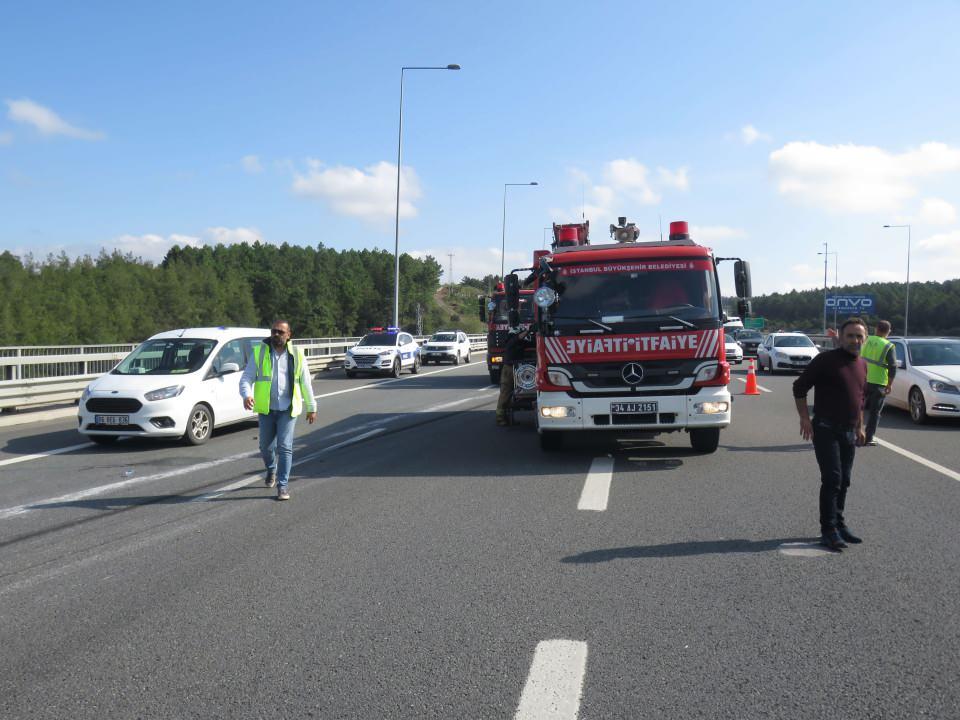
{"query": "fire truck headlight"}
pixel 707 373
pixel 544 297
pixel 558 411
pixel 711 408
pixel 558 378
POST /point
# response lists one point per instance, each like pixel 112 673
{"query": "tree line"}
pixel 120 298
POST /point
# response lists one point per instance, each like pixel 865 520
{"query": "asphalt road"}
pixel 432 565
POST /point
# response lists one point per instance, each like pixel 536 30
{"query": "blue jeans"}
pixel 835 448
pixel 276 444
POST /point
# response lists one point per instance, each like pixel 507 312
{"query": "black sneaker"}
pixel 848 536
pixel 270 479
pixel 832 541
pixel 283 494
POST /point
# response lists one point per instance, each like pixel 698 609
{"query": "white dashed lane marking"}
pixel 555 683
pixel 596 489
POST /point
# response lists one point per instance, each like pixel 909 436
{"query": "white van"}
pixel 180 383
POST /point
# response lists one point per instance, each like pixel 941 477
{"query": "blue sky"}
pixel 770 127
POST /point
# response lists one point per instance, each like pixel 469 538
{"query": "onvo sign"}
pixel 851 304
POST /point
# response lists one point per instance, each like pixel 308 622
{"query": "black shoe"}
pixel 832 541
pixel 844 532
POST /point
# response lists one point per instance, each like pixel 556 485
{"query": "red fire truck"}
pixel 493 311
pixel 630 337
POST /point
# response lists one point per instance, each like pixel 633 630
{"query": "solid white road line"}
pixel 596 490
pixel 47 453
pixel 759 387
pixel 101 489
pixel 923 461
pixel 555 682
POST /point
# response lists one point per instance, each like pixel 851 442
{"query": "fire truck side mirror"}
pixel 482 302
pixel 741 279
pixel 744 308
pixel 511 284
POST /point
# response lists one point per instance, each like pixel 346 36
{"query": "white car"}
pixel 181 383
pixel 732 350
pixel 927 383
pixel 785 351
pixel 385 352
pixel 447 345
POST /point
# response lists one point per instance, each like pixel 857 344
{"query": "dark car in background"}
pixel 749 340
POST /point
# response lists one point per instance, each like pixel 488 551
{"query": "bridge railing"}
pixel 38 375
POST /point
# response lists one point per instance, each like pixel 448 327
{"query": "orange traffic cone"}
pixel 751 381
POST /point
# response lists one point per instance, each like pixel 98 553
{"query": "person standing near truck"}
pixel 839 378
pixel 518 342
pixel 881 361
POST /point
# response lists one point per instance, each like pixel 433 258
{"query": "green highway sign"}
pixel 754 323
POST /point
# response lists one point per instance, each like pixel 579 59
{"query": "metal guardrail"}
pixel 39 375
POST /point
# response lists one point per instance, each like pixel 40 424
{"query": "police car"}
pixel 383 351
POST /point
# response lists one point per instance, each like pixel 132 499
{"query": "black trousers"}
pixel 835 447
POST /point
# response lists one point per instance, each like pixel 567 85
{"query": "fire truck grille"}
pixel 636 419
pixel 657 373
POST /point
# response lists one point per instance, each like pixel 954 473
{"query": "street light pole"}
pixel 503 232
pixel 396 227
pixel 824 253
pixel 836 274
pixel 906 311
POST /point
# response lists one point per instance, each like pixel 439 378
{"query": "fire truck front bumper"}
pixel 709 408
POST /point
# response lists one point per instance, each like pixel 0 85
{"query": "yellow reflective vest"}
pixel 261 384
pixel 875 351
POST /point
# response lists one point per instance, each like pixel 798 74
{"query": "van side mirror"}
pixel 741 279
pixel 229 367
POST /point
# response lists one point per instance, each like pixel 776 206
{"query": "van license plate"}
pixel 112 419
pixel 633 407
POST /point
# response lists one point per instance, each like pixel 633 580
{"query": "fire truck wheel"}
pixel 551 440
pixel 494 377
pixel 416 365
pixel 705 439
pixel 397 367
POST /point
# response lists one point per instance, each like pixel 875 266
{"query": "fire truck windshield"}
pixel 643 297
pixel 526 310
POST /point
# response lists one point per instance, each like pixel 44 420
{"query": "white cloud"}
pixel 934 211
pixel 232 236
pixel 45 121
pixel 749 135
pixel 949 242
pixel 369 194
pixel 6 138
pixel 474 262
pixel 856 178
pixel 150 247
pixel 626 184
pixel 676 179
pixel 251 164
pixel 885 276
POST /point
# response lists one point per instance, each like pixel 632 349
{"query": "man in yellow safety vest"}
pixel 276 384
pixel 881 367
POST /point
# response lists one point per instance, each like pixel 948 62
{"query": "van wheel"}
pixel 705 440
pixel 199 425
pixel 103 439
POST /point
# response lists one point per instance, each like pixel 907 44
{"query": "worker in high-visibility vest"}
pixel 276 384
pixel 881 361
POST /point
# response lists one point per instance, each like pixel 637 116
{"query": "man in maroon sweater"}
pixel 839 379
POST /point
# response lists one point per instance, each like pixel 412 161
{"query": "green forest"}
pixel 324 293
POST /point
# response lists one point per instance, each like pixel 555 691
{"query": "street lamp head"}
pixel 453 67
pixel 533 183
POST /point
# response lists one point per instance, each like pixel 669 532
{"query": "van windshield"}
pixel 169 356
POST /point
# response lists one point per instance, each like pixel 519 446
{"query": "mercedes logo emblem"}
pixel 632 373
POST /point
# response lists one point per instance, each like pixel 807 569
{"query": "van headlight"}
pixel 164 393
